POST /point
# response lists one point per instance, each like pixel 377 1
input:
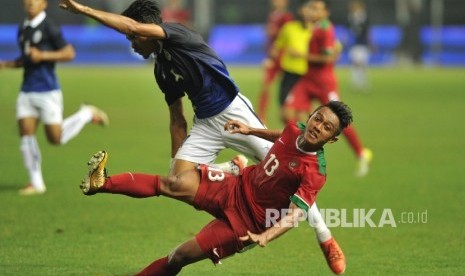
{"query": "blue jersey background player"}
pixel 186 65
pixel 41 44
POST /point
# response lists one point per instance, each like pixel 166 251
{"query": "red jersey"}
pixel 323 41
pixel 276 19
pixel 286 174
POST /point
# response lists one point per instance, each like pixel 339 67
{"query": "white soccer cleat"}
pixel 99 116
pixel 238 164
pixel 31 190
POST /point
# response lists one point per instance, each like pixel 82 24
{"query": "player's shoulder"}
pixel 324 25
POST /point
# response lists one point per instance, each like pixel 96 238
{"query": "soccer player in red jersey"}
pixel 320 80
pixel 289 178
pixel 278 16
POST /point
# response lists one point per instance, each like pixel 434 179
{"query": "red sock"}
pixel 133 185
pixel 159 267
pixel 352 138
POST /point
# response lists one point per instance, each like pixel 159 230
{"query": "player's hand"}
pixel 71 6
pixel 35 55
pixel 235 126
pixel 268 63
pixel 260 239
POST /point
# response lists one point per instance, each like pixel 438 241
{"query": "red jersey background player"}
pixel 175 12
pixel 278 16
pixel 320 80
pixel 290 177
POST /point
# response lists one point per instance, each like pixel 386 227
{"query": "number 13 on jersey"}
pixel 271 165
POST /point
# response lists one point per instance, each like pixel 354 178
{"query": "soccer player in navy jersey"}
pixel 41 44
pixel 185 64
pixel 290 177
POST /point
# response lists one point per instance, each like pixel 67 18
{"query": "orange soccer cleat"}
pixel 334 256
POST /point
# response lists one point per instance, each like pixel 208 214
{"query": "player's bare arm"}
pixel 285 224
pixel 117 22
pixel 11 64
pixel 178 126
pixel 65 54
pixel 235 126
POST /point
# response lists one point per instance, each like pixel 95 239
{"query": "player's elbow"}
pixel 69 53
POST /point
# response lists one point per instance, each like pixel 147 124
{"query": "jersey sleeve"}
pixel 56 36
pixel 328 41
pixel 171 93
pixel 178 34
pixel 306 193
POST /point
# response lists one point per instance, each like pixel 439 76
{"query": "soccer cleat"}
pixel 238 164
pixel 99 116
pixel 334 256
pixel 30 190
pixel 97 173
pixel 364 162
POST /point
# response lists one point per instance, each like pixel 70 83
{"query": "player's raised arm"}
pixel 235 126
pixel 118 22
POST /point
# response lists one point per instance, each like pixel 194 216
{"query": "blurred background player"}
pixel 41 44
pixel 320 80
pixel 174 11
pixel 278 16
pixel 292 38
pixel 359 52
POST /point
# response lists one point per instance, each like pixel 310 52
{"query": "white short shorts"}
pixel 359 54
pixel 208 137
pixel 47 106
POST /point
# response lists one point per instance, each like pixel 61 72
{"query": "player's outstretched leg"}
pixel 182 187
pixel 97 174
pixel 334 255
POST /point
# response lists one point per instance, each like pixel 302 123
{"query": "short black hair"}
pixel 326 2
pixel 342 111
pixel 144 11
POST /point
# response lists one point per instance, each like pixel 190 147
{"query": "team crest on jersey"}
pixel 294 164
pixel 37 37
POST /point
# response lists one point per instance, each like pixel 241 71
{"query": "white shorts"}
pixel 359 54
pixel 47 106
pixel 208 137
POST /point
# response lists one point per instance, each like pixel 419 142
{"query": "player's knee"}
pixel 56 141
pixel 179 257
pixel 172 184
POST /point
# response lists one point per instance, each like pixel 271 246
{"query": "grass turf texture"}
pixel 412 120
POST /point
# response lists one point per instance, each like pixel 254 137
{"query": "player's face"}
pixel 306 12
pixel 279 4
pixel 318 11
pixel 142 45
pixel 321 127
pixel 34 7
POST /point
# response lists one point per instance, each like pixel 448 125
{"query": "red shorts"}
pixel 217 196
pixel 307 89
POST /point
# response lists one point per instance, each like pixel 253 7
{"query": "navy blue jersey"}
pixel 359 25
pixel 187 65
pixel 45 35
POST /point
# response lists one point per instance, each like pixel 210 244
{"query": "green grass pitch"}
pixel 412 120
